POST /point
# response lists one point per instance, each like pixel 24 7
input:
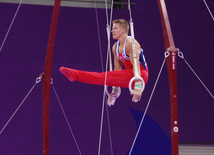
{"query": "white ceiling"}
pixel 68 3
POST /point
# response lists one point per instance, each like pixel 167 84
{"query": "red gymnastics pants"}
pixel 118 78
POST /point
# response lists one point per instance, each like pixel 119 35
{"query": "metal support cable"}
pixel 98 34
pixel 104 91
pixel 38 79
pixel 14 17
pixel 180 54
pixel 63 111
pixel 150 98
pixel 208 10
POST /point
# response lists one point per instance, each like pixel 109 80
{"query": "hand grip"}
pixel 133 79
pixel 107 92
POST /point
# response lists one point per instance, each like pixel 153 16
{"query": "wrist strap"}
pixel 115 89
pixel 138 86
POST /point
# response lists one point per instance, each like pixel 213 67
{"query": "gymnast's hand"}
pixel 138 89
pixel 113 96
pixel 137 95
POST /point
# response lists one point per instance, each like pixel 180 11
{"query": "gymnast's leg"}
pixel 118 78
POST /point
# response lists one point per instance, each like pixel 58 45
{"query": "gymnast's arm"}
pixel 129 51
pixel 115 90
pixel 117 63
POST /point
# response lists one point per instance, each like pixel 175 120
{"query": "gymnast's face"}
pixel 117 31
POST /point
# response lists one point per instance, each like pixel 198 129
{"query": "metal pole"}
pixel 47 76
pixel 172 74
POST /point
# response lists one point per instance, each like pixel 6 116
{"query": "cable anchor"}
pixel 180 54
pixel 38 79
pixel 166 53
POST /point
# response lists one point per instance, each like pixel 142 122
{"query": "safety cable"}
pixel 108 59
pixel 150 98
pixel 63 111
pixel 38 79
pixel 98 34
pixel 104 95
pixel 208 10
pixel 180 54
pixel 136 75
pixel 14 17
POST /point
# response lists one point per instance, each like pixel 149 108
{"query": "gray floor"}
pixel 196 149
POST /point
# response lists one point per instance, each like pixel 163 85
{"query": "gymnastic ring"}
pixel 107 92
pixel 136 78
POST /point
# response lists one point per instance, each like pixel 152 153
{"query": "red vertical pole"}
pixel 47 76
pixel 172 74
